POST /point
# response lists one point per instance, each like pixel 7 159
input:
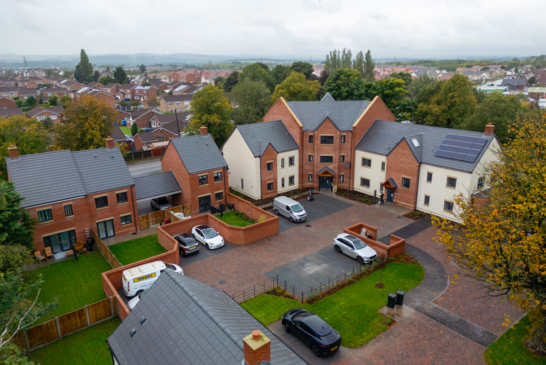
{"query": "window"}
pixel 269 186
pixel 383 166
pixel 326 139
pixel 341 178
pixel 101 202
pixel 342 138
pixel 170 104
pixel 217 176
pixel 310 158
pixel 415 142
pixel 429 177
pixel 310 138
pixel 45 215
pixel 381 187
pixel 406 183
pixel 242 184
pixel 282 182
pixel 366 162
pixel 219 196
pixel 125 220
pixel 481 182
pixel 290 161
pixel 427 200
pixel 203 180
pixel 364 182
pixel 342 158
pixel 177 103
pixel 451 182
pixel 291 180
pixel 122 197
pixel 326 159
pixel 68 210
pixel 282 163
pixel 448 206
pixel 309 177
pixel 270 166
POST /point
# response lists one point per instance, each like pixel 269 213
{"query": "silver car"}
pixel 354 247
pixel 161 203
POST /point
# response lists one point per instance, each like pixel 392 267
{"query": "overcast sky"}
pixel 304 28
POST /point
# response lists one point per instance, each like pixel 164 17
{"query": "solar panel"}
pixel 461 148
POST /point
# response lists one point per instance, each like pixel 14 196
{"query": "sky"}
pixel 299 29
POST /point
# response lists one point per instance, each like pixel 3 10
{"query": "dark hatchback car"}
pixel 186 244
pixel 312 330
pixel 160 203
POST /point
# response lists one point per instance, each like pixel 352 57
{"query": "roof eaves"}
pixel 291 112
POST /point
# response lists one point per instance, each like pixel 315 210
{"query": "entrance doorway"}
pixel 326 178
pixel 106 229
pixel 204 203
pixel 60 241
pixel 390 195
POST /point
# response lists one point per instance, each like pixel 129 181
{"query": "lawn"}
pixel 85 347
pixel 138 249
pixel 353 310
pixel 510 349
pixel 234 220
pixel 74 283
pixel 126 130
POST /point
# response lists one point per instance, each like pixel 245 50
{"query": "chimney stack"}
pixel 203 130
pixel 257 348
pixel 109 142
pixel 489 129
pixel 13 151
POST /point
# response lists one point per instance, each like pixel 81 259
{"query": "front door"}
pixel 106 229
pixel 204 203
pixel 325 182
pixel 390 195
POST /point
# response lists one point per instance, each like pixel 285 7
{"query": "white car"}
pixel 354 247
pixel 207 236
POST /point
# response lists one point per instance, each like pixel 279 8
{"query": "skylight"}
pixel 415 142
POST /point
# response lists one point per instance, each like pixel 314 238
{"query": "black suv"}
pixel 186 243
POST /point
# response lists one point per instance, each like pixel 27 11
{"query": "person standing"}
pixel 381 197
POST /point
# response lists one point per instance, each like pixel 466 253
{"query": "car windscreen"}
pixel 357 243
pixel 209 233
pixel 296 208
pixel 162 201
pixel 170 267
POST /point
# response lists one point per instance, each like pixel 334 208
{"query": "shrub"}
pixel 243 215
pixel 262 218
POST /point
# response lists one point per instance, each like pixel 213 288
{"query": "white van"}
pixel 142 277
pixel 289 208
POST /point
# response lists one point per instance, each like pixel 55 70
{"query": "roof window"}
pixel 415 142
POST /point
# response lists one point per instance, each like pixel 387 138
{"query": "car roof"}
pixel 202 227
pixel 285 200
pixel 185 235
pixel 317 324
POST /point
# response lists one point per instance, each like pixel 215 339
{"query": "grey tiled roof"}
pixel 188 322
pixel 259 135
pixel 118 135
pixel 199 153
pixel 7 113
pixel 384 136
pixel 171 98
pixel 150 186
pixel 343 114
pixel 146 137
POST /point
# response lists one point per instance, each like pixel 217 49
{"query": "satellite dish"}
pixel 347 164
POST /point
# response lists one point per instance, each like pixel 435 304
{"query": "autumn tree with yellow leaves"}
pixel 501 241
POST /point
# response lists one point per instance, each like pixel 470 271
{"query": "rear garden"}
pixel 138 249
pixel 235 218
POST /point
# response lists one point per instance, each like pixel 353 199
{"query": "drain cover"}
pixel 222 282
pixel 307 225
pixel 399 217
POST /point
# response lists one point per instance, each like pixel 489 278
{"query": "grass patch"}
pixel 234 220
pixel 511 349
pixel 74 283
pixel 415 215
pixel 353 310
pixel 138 249
pixel 125 130
pixel 87 347
pixel 355 196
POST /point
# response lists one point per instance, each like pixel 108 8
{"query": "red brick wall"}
pixel 267 176
pixel 396 245
pixel 110 100
pixel 402 163
pixel 144 120
pixel 138 143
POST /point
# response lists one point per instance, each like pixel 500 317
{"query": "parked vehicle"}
pixel 207 236
pixel 140 278
pixel 289 208
pixel 354 247
pixel 161 203
pixel 133 302
pixel 312 330
pixel 186 244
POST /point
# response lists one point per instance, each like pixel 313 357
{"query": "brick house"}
pixel 175 103
pixel 159 120
pixel 143 140
pixel 186 89
pixel 199 168
pixel 158 84
pixel 145 93
pixel 111 88
pixel 59 91
pixel 25 93
pixel 7 103
pixel 55 113
pixel 141 117
pixel 128 90
pixel 171 129
pixel 10 92
pixel 72 85
pixel 76 190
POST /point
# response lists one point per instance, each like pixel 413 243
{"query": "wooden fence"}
pixel 55 329
pixel 154 218
pixel 105 251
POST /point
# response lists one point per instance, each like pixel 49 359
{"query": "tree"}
pixel 65 99
pixel 296 88
pixel 220 81
pixel 142 69
pixel 16 225
pixel 146 83
pixel 105 80
pixel 358 63
pixel 346 57
pixel 19 102
pixel 87 123
pixel 454 103
pixel 120 76
pixel 390 90
pixel 502 240
pixel 255 72
pixel 532 80
pixel 303 68
pixel 279 73
pixel 231 81
pixel 252 100
pixel 85 66
pixel 31 101
pixel 323 77
pixel 78 76
pixel 263 65
pixel 53 100
pixel 89 78
pixel 405 76
pixel 345 84
pixel 134 129
pixel 423 89
pixel 211 109
pixel 369 66
pixel 96 76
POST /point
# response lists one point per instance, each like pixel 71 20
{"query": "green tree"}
pixel 231 81
pixel 142 69
pixel 78 76
pixel 532 80
pixel 304 68
pixel 89 78
pixel 48 123
pixel 369 66
pixel 19 102
pixel 220 81
pixel 120 76
pixel 146 83
pixel 31 101
pixel 87 123
pixel 454 103
pixel 406 109
pixel 65 99
pixel 211 109
pixel 345 84
pixel 105 80
pixel 134 129
pixel 16 225
pixel 392 91
pixel 255 72
pixel 53 100
pixel 279 73
pixel 358 63
pixel 423 89
pixel 85 66
pixel 296 88
pixel 252 100
pixel 346 57
pixel 405 76
pixel 96 76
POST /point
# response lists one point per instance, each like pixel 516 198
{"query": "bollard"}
pixel 391 300
pixel 400 297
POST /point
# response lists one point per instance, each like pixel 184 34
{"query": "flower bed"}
pixel 356 196
pixel 261 202
pixel 416 215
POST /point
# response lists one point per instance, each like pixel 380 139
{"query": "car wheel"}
pixel 207 244
pixel 138 293
pixel 291 219
pixel 315 350
pixel 338 249
pixel 287 326
pixel 360 260
pixel 276 212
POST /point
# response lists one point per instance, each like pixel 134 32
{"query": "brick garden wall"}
pixel 396 247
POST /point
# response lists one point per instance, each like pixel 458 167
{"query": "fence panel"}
pixel 42 334
pixel 19 340
pixel 72 321
pixel 100 310
pixel 105 251
pixel 176 209
pixel 186 209
pixel 157 217
pixel 144 221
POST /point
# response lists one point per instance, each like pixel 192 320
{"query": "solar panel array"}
pixel 462 148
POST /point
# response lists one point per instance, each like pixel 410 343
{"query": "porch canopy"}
pixel 326 171
pixel 390 184
pixel 156 186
